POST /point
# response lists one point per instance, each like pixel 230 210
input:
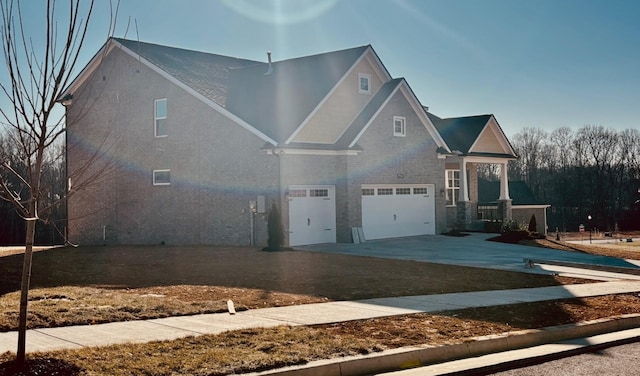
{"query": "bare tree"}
pixel 39 68
pixel 529 144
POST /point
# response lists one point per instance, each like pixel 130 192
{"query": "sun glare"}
pixel 281 12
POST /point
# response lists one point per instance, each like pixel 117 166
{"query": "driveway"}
pixel 473 250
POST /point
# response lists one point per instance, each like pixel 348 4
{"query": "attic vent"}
pixel 270 68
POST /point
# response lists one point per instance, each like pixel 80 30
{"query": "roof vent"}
pixel 270 68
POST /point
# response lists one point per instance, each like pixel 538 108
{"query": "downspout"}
pixel 281 194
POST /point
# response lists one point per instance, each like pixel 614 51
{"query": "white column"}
pixel 504 182
pixel 464 187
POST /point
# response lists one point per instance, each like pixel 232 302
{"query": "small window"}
pixel 298 193
pixel 385 191
pixel 161 177
pixel 403 191
pixel 420 191
pixel 399 126
pixel 368 191
pixel 318 193
pixel 364 83
pixel 160 117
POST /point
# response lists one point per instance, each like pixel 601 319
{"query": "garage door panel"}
pixel 312 215
pixel 397 215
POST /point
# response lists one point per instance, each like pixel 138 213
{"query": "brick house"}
pixel 166 145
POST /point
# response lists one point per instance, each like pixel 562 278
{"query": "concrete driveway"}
pixel 473 250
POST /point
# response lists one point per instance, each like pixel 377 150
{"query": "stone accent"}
pixel 504 210
pixel 464 215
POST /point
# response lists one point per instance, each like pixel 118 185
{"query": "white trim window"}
pixel 452 184
pixel 161 177
pixel 160 117
pixel 364 83
pixel 399 126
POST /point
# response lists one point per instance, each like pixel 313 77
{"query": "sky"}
pixel 532 63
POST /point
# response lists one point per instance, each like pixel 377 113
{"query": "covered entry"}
pixel 390 211
pixel 312 214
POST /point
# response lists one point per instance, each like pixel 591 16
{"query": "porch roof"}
pixel 519 191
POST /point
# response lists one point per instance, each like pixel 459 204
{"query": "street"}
pixel 619 360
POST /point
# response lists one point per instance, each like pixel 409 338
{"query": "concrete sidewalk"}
pixel 175 327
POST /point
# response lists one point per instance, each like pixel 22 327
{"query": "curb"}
pixel 579 265
pixel 411 357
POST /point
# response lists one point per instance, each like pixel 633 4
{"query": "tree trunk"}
pixel 24 294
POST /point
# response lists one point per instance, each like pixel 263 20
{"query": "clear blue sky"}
pixel 542 63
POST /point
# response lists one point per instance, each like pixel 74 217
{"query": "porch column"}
pixel 504 202
pixel 464 205
pixel 504 182
pixel 464 184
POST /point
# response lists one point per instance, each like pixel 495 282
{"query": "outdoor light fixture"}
pixel 67 100
pixel 590 227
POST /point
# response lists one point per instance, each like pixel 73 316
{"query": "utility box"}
pixel 261 204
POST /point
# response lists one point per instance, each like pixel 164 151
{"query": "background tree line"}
pixel 12 226
pixel 591 171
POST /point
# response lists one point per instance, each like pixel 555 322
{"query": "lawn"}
pixel 101 284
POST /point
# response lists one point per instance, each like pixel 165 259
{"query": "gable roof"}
pixel 462 133
pixel 273 100
pixel 358 125
pixel 277 99
pixel 206 73
pixel 519 192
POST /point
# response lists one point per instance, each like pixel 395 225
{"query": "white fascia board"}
pixel 492 126
pixel 484 129
pixel 89 68
pixel 422 114
pixel 377 67
pixel 541 206
pixel 294 151
pixel 418 109
pixel 487 160
pixel 375 115
pixel 197 95
pixel 502 138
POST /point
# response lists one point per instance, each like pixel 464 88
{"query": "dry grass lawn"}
pixel 101 284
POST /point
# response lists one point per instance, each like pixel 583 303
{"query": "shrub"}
pixel 512 232
pixel 274 229
pixel 533 226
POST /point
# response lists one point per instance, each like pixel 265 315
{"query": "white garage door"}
pixel 312 214
pixel 399 210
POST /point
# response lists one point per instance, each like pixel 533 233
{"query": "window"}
pixel 452 186
pixel 420 191
pixel 161 177
pixel 385 191
pixel 368 191
pixel 160 117
pixel 403 191
pixel 318 193
pixel 297 193
pixel 364 83
pixel 399 126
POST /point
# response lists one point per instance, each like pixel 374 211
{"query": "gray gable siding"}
pixel 216 166
pixel 386 159
pixel 278 102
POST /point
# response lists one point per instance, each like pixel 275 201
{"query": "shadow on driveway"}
pixel 473 250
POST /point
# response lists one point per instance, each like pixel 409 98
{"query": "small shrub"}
pixel 274 228
pixel 512 232
pixel 533 226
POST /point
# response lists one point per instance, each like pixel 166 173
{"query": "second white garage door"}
pixel 312 214
pixel 390 211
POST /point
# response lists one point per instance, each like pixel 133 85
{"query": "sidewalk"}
pixel 309 314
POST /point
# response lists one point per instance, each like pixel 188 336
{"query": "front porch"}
pixel 464 209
